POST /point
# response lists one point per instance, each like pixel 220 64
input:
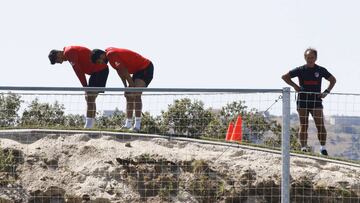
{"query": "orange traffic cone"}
pixel 237 132
pixel 229 131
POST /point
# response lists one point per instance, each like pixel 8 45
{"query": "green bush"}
pixel 43 114
pixel 186 118
pixel 9 106
pixel 151 124
pixel 6 160
pixel 111 122
pixel 74 121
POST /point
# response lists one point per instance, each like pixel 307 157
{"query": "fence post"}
pixel 285 146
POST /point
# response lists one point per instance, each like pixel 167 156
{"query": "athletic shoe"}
pixel 323 152
pixel 304 149
pixel 89 125
pixel 124 127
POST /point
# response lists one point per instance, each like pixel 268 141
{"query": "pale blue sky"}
pixel 192 43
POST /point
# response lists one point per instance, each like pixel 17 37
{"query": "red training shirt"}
pixel 133 61
pixel 79 58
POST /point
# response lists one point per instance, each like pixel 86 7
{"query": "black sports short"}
pixel 98 79
pixel 309 101
pixel 146 74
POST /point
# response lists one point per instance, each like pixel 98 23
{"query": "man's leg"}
pixel 91 109
pixel 141 79
pixel 138 103
pixel 97 79
pixel 129 110
pixel 304 120
pixel 318 116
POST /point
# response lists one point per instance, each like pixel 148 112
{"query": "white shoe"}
pixel 125 127
pixel 89 123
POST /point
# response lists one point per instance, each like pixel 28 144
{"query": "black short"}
pixel 146 74
pixel 309 101
pixel 98 79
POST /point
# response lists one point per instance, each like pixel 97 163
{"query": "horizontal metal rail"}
pixel 138 89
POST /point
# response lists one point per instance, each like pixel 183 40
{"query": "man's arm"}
pixel 122 78
pixel 73 59
pixel 287 79
pixel 124 75
pixel 80 75
pixel 332 81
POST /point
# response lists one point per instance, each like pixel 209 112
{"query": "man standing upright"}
pixel 79 58
pixel 309 100
pixel 134 71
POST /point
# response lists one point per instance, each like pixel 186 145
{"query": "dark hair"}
pixel 310 50
pixel 95 55
pixel 53 56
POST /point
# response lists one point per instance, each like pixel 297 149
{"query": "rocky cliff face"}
pixel 82 168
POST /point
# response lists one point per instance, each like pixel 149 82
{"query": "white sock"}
pixel 137 122
pixel 128 123
pixel 322 147
pixel 89 122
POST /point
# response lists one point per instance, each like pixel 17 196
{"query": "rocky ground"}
pixel 84 168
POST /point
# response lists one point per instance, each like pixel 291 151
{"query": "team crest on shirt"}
pixel 117 63
pixel 316 74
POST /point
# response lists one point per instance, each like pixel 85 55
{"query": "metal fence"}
pixel 182 116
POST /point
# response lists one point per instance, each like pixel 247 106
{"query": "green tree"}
pixel 256 125
pixel 43 114
pixel 74 121
pixel 151 124
pixel 185 117
pixel 216 128
pixel 275 139
pixel 294 139
pixel 111 122
pixel 9 106
pixel 228 113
